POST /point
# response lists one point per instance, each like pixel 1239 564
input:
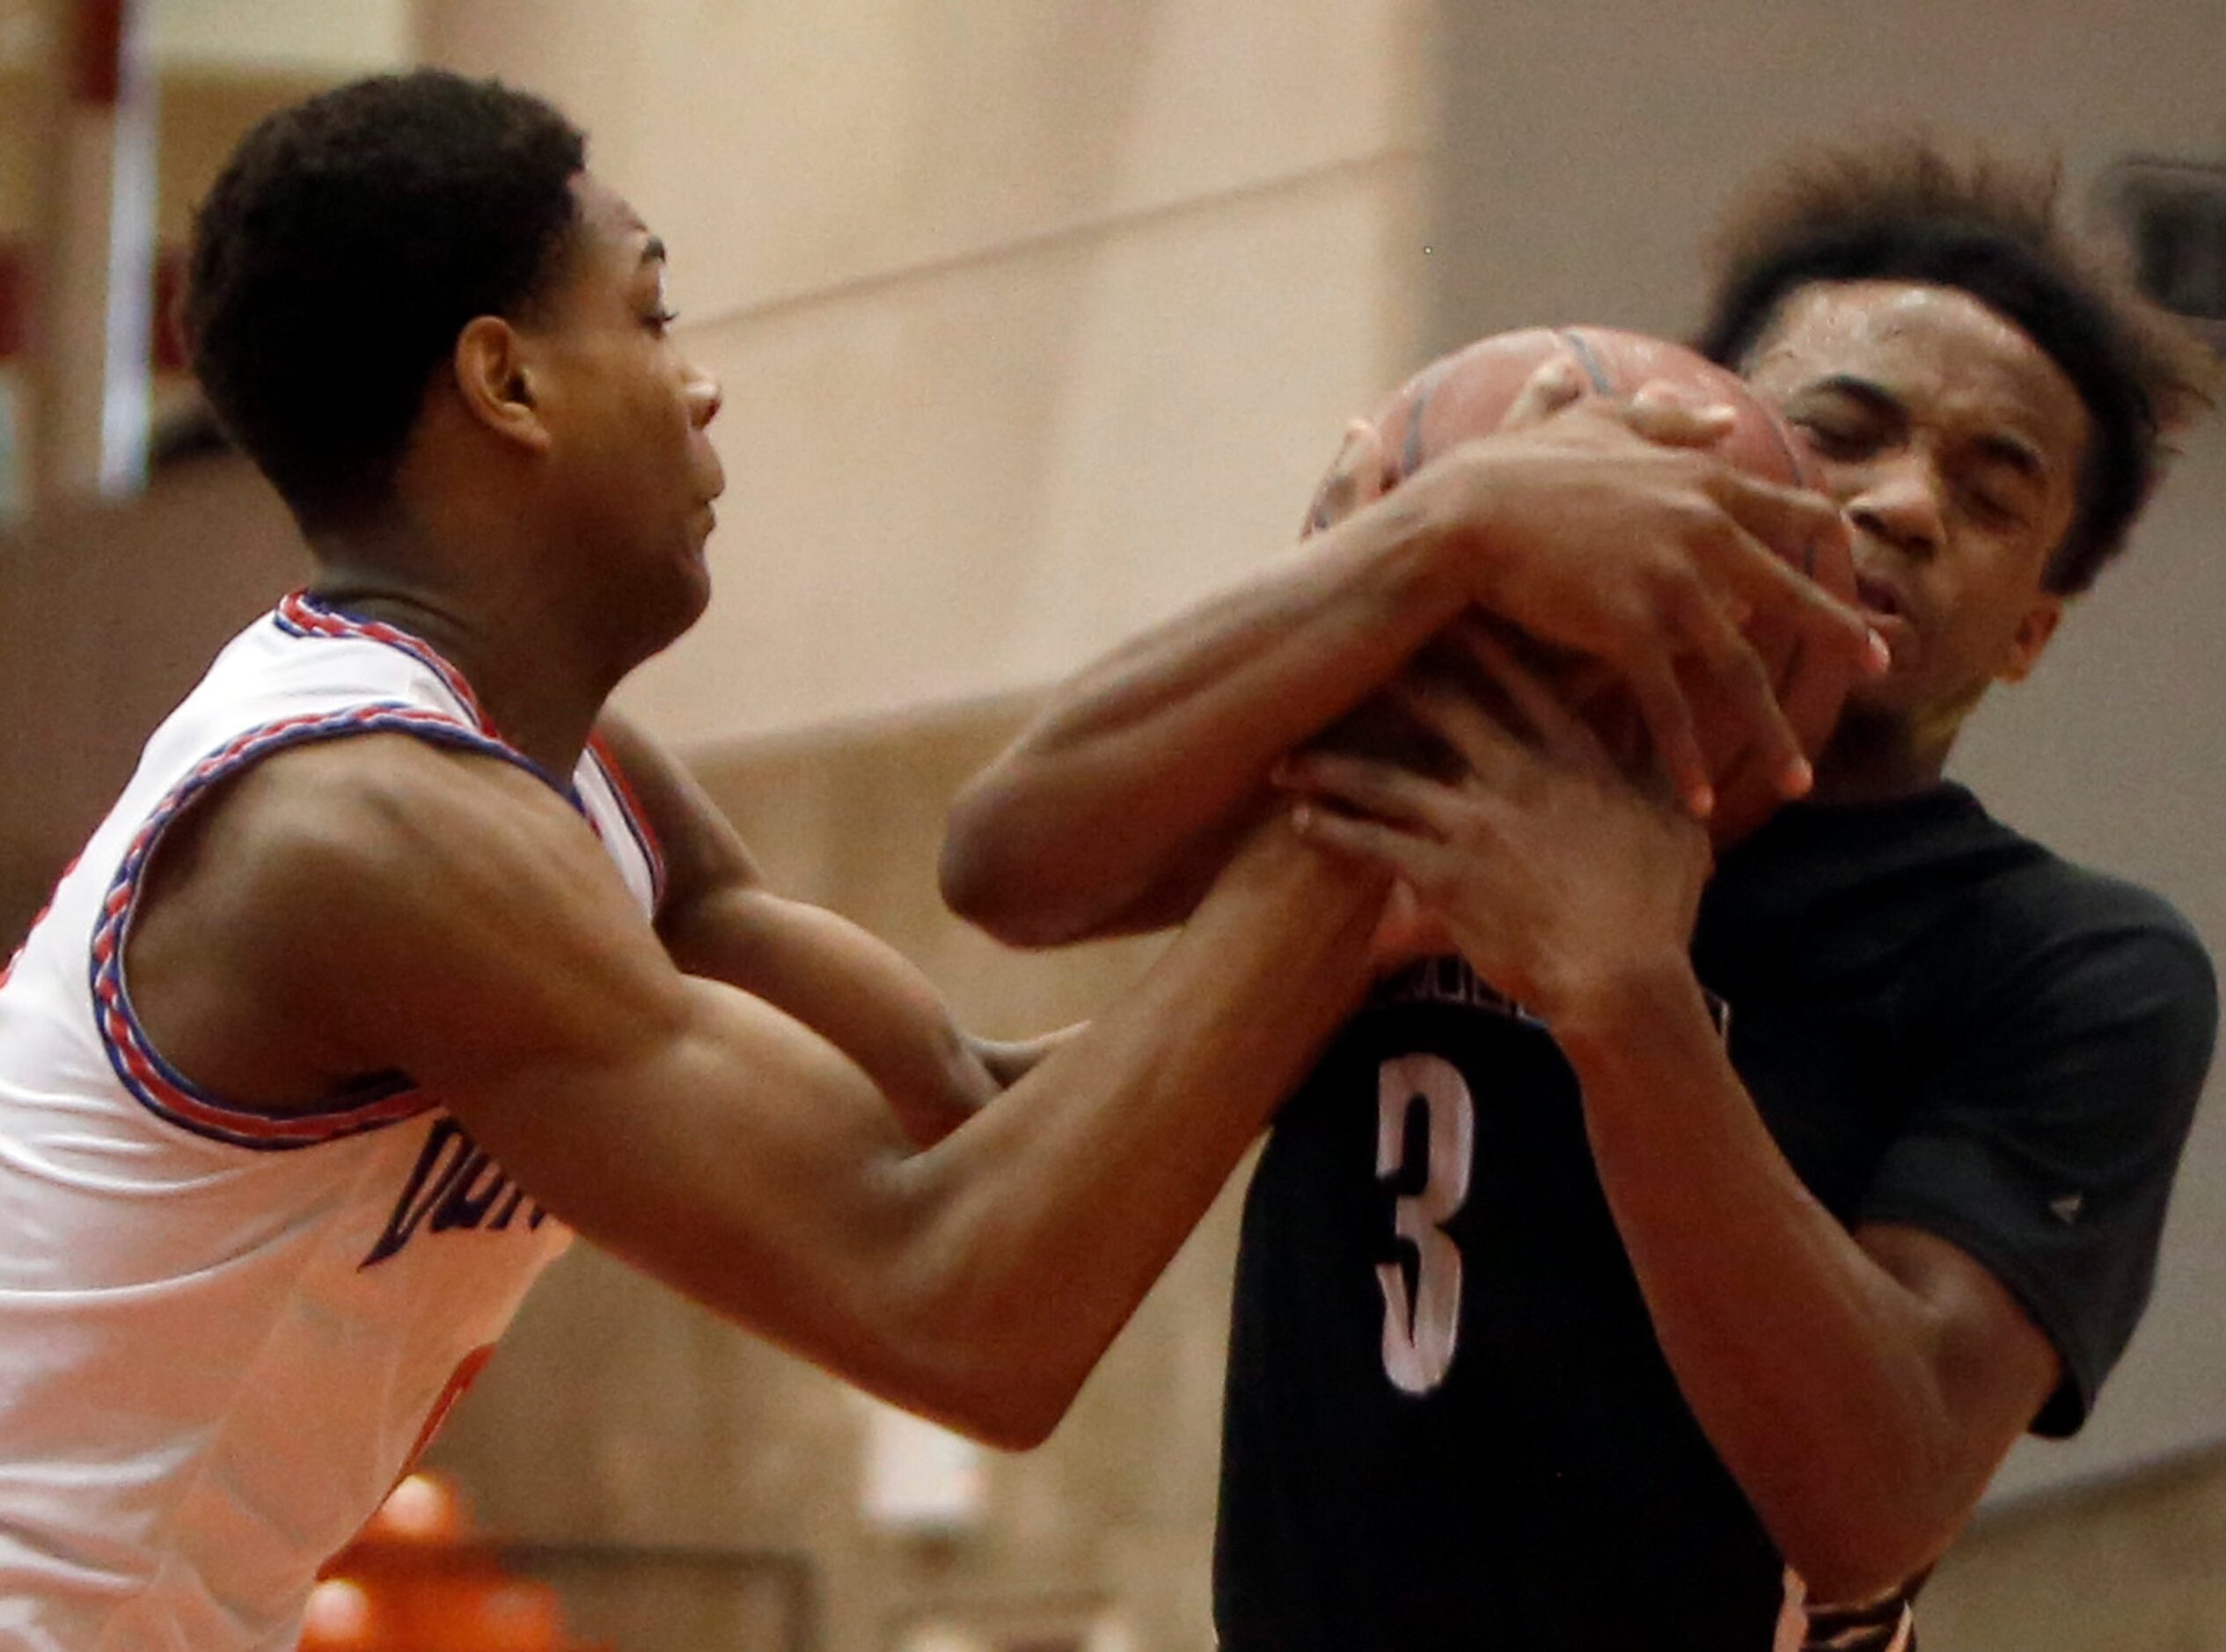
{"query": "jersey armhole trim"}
pixel 153 1082
pixel 637 819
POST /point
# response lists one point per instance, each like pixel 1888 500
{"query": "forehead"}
pixel 1938 351
pixel 613 242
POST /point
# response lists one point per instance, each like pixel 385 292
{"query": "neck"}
pixel 540 683
pixel 1876 757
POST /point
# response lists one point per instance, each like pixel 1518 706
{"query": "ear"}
pixel 495 378
pixel 2027 643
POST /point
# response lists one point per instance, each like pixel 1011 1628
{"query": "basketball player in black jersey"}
pixel 1669 1259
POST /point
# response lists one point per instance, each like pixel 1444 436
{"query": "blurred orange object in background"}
pixel 415 1581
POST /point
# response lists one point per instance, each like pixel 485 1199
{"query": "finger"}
pixel 1674 417
pixel 1748 691
pixel 1485 744
pixel 1800 529
pixel 1776 583
pixel 1668 716
pixel 1556 722
pixel 1799 523
pixel 1418 862
pixel 1382 791
pixel 1356 477
pixel 1552 387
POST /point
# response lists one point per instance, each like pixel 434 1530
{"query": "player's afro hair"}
pixel 346 243
pixel 1901 210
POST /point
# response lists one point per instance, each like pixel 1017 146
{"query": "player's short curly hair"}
pixel 1902 210
pixel 345 244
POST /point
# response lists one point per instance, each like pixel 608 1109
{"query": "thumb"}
pixel 1676 417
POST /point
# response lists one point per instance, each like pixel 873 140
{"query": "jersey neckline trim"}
pixel 301 613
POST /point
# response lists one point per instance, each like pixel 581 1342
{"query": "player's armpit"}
pixel 704 854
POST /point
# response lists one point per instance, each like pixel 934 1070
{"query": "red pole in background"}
pixel 91 319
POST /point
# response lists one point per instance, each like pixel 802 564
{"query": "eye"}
pixel 658 320
pixel 1993 511
pixel 1833 438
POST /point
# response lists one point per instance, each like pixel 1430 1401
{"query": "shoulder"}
pixel 378 859
pixel 2071 998
pixel 335 820
pixel 2042 914
pixel 309 915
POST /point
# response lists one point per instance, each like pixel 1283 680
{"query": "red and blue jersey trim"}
pixel 637 819
pixel 152 1081
pixel 301 614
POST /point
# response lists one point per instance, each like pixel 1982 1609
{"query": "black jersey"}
pixel 1449 1425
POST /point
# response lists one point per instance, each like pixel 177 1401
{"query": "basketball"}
pixel 1468 393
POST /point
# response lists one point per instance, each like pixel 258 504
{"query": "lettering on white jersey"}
pixel 454 1188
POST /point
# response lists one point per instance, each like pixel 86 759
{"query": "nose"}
pixel 1899 501
pixel 703 398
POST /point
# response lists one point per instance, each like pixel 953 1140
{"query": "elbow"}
pixel 1847 1559
pixel 987 876
pixel 1006 1405
pixel 1014 1416
pixel 960 1336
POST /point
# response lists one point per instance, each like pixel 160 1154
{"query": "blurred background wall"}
pixel 1036 319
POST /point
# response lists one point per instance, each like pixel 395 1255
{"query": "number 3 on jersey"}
pixel 1418 1334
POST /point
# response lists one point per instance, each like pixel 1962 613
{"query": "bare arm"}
pixel 1862 1388
pixel 718 1143
pixel 1111 810
pixel 720 921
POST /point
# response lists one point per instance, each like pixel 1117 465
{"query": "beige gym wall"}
pixel 1033 319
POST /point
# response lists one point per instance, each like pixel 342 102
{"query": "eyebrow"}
pixel 1870 397
pixel 2018 455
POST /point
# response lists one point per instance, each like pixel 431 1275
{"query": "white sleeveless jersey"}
pixel 223 1336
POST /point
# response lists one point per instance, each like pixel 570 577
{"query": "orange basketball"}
pixel 1468 393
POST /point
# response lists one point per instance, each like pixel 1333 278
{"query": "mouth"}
pixel 1885 608
pixel 1876 596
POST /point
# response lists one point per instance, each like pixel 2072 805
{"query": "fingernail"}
pixel 1881 657
pixel 1798 778
pixel 1302 817
pixel 1701 800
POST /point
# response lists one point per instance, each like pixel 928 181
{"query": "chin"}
pixel 686 601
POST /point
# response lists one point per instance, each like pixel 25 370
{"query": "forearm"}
pixel 1114 807
pixel 851 987
pixel 1044 1221
pixel 1807 1363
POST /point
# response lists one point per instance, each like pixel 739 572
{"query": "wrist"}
pixel 1594 1013
pixel 1456 502
pixel 1428 537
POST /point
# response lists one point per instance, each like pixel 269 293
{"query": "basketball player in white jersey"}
pixel 380 976
pixel 384 968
